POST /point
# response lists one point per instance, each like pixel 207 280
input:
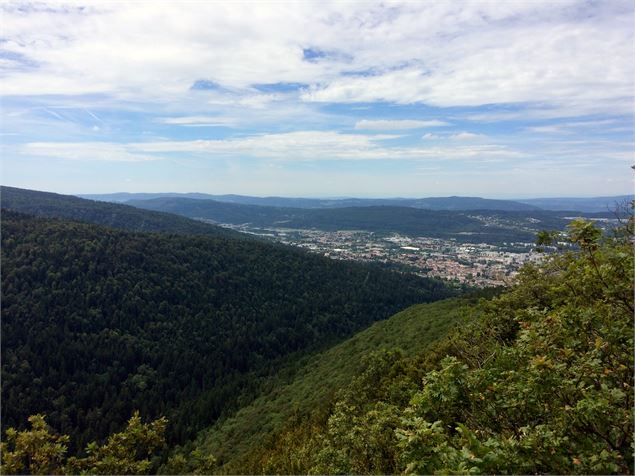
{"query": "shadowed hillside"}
pixel 171 325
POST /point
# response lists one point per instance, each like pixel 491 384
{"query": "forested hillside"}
pixel 98 322
pixel 539 380
pixel 237 442
pixel 113 215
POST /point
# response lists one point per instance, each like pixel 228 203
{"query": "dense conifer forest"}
pixel 239 439
pixel 97 323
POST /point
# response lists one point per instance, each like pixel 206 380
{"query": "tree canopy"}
pixel 40 450
pixel 98 322
pixel 540 380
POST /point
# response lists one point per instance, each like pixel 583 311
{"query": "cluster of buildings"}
pixel 476 264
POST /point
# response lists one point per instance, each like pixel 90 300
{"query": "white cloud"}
pixel 459 136
pixel 552 129
pixel 320 146
pixel 466 136
pixel 389 124
pixel 437 53
pixel 259 101
pixel 85 151
pixel 571 126
pixel 197 121
pixel 134 65
pixel 291 146
pixel 597 123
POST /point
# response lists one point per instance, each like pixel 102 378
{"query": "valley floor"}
pixel 474 264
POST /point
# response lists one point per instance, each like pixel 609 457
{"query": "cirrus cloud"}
pixel 392 124
pixel 292 146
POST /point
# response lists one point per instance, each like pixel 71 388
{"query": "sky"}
pixel 499 99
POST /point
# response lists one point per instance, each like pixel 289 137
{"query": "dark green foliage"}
pixel 539 380
pixel 40 451
pixel 113 215
pixel 34 451
pixel 221 212
pixel 131 451
pixel 240 443
pixel 98 322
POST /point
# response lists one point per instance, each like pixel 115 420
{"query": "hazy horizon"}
pixel 508 100
pixel 332 197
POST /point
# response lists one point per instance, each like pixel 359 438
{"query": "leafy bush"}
pixel 40 451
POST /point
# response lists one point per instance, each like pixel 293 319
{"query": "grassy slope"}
pixel 318 380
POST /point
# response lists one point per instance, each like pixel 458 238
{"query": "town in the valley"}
pixel 475 264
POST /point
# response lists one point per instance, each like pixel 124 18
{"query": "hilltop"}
pixel 124 217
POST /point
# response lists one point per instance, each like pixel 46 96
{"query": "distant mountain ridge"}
pixel 380 219
pixel 482 226
pixel 592 204
pixel 431 203
pixel 458 203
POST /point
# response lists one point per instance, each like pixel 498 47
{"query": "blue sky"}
pixel 369 99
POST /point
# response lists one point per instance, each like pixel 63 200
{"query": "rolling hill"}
pixel 593 204
pixel 431 203
pixel 113 215
pixel 477 226
pixel 456 203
